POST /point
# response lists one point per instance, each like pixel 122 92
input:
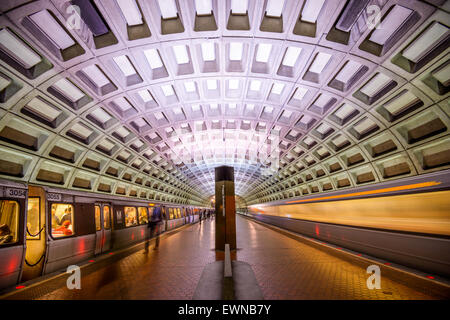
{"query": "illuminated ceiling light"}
pixel 443 75
pixel 320 62
pixel 268 109
pixel 263 53
pixel 425 42
pixel 300 93
pixel 311 10
pixel 203 7
pixel 177 111
pixel 349 70
pixel 274 8
pixel 208 52
pixel 159 115
pixel 81 130
pixel 4 82
pixel 306 119
pixel 153 58
pixel 42 109
pixel 291 56
pixel 107 144
pixel 344 111
pixel 233 84
pixel 376 84
pixel 255 85
pixel 236 49
pixel 181 54
pixel 17 50
pixel 167 90
pixel 322 101
pixel 145 95
pixel 101 115
pixel 189 86
pixel 122 132
pixel 90 16
pixel 396 17
pixel 68 89
pixel 350 15
pixel 287 113
pixel 124 154
pixel 168 9
pixel 211 84
pixel 124 65
pixel 122 104
pixel 130 11
pixel 50 27
pixel 323 128
pixel 239 6
pixel 214 106
pixel 96 75
pixel 365 126
pixel 277 88
pixel 401 103
pixel 232 105
pixel 308 141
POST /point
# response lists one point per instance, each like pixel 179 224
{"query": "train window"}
pixel 170 213
pixel 130 216
pixel 143 216
pixel 62 220
pixel 33 219
pixel 98 221
pixel 179 212
pixel 106 217
pixel 150 212
pixel 9 215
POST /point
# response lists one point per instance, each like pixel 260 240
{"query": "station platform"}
pixel 286 266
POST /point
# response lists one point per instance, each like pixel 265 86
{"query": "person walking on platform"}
pixel 153 224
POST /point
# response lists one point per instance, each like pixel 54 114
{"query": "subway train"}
pixel 405 222
pixel 44 229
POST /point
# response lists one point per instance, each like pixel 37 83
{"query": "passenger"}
pixel 66 216
pixel 5 234
pixel 153 225
pixel 65 229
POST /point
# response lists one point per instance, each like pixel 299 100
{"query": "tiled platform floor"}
pixel 285 268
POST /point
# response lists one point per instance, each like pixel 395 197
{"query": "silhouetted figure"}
pixel 153 224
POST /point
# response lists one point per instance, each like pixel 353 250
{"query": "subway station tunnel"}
pixel 333 114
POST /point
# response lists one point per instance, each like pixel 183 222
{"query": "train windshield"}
pixel 9 214
pixel 62 220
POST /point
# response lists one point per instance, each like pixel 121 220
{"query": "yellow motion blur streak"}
pixel 427 212
pixel 363 193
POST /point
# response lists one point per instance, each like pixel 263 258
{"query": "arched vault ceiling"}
pixel 145 98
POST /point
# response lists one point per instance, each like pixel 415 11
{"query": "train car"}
pixel 407 222
pixel 12 231
pixel 44 229
pixel 174 216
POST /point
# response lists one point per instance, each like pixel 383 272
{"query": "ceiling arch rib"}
pixel 147 97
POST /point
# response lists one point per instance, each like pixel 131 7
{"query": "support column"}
pixel 225 208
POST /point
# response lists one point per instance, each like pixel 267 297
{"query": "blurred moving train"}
pixel 405 221
pixel 44 229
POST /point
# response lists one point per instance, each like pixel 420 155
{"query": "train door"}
pixel 102 227
pixel 99 236
pixel 107 226
pixel 36 235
